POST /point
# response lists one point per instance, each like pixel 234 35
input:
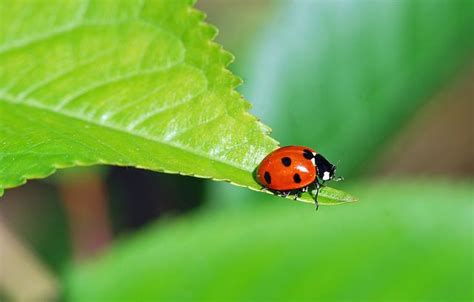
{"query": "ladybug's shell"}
pixel 278 173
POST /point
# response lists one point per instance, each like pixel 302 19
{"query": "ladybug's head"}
pixel 326 170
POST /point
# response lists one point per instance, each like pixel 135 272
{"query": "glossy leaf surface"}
pixel 127 83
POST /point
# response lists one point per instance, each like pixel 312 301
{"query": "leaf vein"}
pixel 57 76
pixel 126 76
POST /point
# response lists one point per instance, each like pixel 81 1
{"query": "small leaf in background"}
pixel 406 241
pixel 343 76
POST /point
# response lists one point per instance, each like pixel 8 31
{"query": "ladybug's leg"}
pixel 315 197
pixel 281 193
pixel 298 194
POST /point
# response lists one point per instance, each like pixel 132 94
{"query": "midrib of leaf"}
pixel 36 105
pixel 125 163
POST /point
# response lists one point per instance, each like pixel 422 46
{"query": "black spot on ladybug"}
pixel 267 177
pixel 286 161
pixel 308 154
pixel 297 178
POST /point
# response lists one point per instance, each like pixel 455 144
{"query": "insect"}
pixel 294 170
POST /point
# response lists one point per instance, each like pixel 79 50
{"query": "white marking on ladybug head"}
pixel 326 175
pixel 313 161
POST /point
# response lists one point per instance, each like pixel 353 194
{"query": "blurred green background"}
pixel 382 88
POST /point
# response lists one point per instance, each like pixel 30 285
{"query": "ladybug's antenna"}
pixel 339 178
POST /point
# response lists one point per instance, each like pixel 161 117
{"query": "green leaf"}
pixel 344 77
pixel 327 196
pixel 130 83
pixel 405 241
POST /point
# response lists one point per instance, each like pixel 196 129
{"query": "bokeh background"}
pixel 384 89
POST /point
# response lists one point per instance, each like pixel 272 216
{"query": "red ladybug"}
pixel 293 170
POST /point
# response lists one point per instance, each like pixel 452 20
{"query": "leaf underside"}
pixel 129 83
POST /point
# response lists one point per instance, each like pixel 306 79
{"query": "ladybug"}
pixel 294 170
